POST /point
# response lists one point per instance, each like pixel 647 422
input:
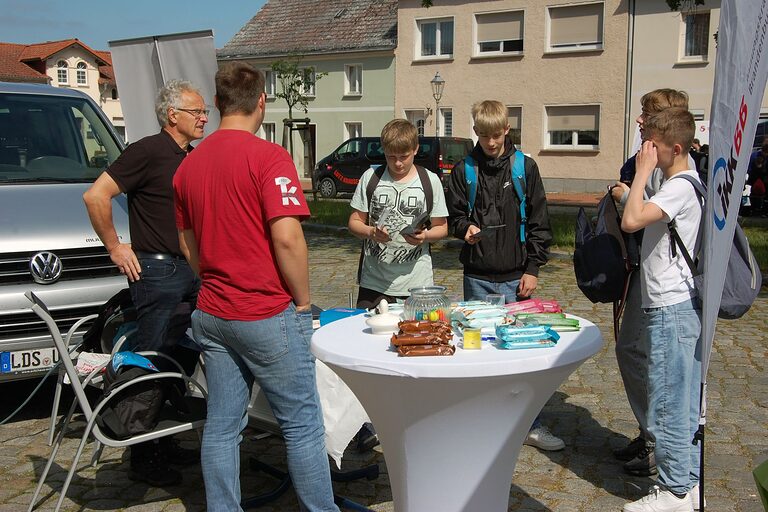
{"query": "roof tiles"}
pixel 285 27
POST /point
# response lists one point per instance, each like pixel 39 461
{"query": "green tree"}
pixel 295 82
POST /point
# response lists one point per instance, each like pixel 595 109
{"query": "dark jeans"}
pixel 165 297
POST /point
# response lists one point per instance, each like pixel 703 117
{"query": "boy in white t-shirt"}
pixel 671 308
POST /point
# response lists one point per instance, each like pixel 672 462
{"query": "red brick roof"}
pixel 24 62
pixel 304 27
pixel 13 70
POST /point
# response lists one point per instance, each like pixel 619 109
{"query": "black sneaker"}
pixel 154 472
pixel 644 464
pixel 366 438
pixel 630 451
pixel 173 454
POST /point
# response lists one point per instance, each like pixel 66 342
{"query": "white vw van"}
pixel 54 143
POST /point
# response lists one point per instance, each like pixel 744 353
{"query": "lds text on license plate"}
pixel 27 360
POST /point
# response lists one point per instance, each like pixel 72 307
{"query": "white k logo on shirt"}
pixel 289 194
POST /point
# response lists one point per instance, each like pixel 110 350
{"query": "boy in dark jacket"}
pixel 497 261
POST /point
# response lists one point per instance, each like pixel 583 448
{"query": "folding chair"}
pixel 171 421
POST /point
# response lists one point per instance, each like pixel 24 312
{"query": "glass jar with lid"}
pixel 427 303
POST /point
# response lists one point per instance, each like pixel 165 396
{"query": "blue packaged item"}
pixel 539 336
pixel 131 359
pixel 333 314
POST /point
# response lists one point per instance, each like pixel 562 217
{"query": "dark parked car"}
pixel 340 171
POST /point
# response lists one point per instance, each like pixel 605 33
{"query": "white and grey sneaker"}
pixel 541 438
pixel 695 498
pixel 660 500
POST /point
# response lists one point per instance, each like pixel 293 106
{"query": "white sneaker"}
pixel 695 497
pixel 659 500
pixel 543 439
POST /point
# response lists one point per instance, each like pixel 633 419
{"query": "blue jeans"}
pixel 167 289
pixel 274 352
pixel 632 355
pixel 674 383
pixel 477 289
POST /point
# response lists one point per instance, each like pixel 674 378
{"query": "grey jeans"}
pixel 632 355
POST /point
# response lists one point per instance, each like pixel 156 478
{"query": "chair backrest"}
pixel 41 310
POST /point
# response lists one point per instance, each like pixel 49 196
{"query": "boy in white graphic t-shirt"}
pixel 671 307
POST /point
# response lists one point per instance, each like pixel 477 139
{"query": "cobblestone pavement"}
pixel 589 411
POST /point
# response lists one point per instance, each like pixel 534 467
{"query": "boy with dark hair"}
pixel 395 261
pixel 673 316
pixel 497 260
pixel 239 216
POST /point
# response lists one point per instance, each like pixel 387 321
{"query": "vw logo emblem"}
pixel 45 268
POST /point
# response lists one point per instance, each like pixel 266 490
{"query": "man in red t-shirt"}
pixel 238 212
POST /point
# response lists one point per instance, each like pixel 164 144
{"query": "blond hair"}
pixel 399 136
pixel 490 116
pixel 672 126
pixel 655 101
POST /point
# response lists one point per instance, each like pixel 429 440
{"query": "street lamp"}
pixel 437 92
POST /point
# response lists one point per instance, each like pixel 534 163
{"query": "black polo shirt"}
pixel 145 172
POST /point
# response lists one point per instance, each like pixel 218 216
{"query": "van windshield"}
pixel 52 138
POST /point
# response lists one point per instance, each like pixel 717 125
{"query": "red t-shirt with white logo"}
pixel 226 191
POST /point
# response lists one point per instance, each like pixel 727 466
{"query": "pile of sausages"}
pixel 423 338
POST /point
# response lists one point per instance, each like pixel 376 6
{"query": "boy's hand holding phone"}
pixel 471 235
pixel 482 233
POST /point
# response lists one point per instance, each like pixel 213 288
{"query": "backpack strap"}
pixel 378 172
pixel 470 174
pixel 701 194
pixel 518 181
pixel 426 185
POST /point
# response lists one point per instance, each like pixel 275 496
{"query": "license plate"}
pixel 21 361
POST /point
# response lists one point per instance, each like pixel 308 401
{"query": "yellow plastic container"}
pixel 472 339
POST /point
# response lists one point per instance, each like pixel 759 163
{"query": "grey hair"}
pixel 169 96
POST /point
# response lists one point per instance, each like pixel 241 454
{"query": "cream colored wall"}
pixel 72 56
pixel 533 81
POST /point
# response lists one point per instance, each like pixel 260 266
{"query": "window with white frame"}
pixel 417 118
pixel 446 115
pixel 309 81
pixel 353 129
pixel 435 38
pixel 82 73
pixel 698 114
pixel 499 33
pixel 269 83
pixel 514 118
pixel 353 79
pixel 573 127
pixel 267 132
pixel 575 27
pixel 694 34
pixel 62 72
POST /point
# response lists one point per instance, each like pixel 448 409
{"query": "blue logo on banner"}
pixel 719 181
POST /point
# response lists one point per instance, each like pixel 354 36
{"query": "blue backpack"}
pixel 518 181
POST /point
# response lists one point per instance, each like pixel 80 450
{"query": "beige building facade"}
pixel 676 50
pixel 560 67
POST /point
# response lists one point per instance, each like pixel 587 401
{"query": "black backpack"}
pixel 135 410
pixel 604 257
pixel 743 278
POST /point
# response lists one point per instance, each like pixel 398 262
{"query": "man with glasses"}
pixel 163 287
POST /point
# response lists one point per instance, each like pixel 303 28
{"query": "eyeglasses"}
pixel 196 112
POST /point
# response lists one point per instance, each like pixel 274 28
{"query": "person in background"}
pixel 239 223
pixel 631 346
pixel 500 263
pixel 163 287
pixel 669 302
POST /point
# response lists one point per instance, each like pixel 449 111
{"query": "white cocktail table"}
pixel 451 427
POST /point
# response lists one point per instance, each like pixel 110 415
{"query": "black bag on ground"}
pixel 602 257
pixel 136 409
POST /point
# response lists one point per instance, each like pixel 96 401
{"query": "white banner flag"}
pixel 142 65
pixel 740 78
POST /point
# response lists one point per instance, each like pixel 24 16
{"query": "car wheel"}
pixel 327 188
